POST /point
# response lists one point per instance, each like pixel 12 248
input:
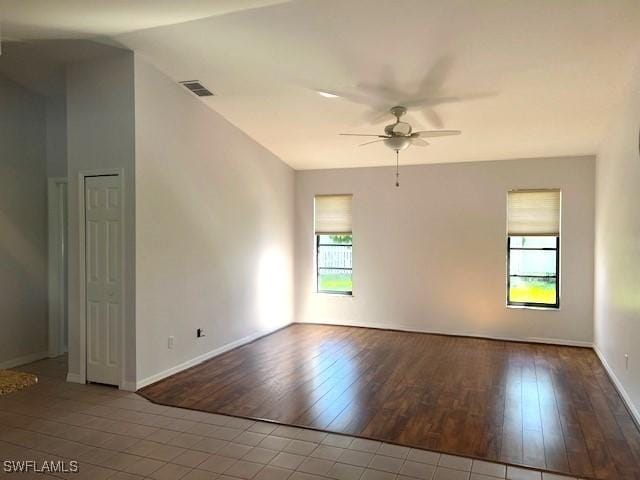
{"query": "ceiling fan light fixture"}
pixel 397 143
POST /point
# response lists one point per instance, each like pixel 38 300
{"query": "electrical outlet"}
pixel 626 361
pixel 170 342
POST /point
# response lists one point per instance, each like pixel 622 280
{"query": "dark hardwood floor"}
pixel 544 406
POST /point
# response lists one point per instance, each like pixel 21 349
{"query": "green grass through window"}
pixel 335 282
pixel 533 291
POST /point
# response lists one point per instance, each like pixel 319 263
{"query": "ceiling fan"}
pixel 400 136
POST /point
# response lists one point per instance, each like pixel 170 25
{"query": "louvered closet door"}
pixel 103 278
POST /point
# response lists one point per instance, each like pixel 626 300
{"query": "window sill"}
pixel 332 294
pixel 532 307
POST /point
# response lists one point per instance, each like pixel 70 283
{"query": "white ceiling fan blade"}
pixel 362 135
pixel 381 92
pixel 428 101
pixel 374 115
pixel 436 76
pixel 384 88
pixel 435 133
pixel 369 143
pixel 433 117
pixel 418 142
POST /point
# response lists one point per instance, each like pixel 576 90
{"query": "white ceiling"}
pixel 54 19
pixel 542 77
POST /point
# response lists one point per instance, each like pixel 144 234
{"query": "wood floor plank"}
pixel 543 406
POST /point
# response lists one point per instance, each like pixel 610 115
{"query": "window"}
pixel 533 248
pixel 334 266
pixel 533 271
pixel 334 244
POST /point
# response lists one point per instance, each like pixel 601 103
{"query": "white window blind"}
pixel 333 214
pixel 533 212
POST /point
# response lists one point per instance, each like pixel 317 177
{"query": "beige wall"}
pixel 23 225
pixel 430 255
pixel 617 298
pixel 214 230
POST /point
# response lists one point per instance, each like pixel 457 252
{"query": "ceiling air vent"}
pixel 196 87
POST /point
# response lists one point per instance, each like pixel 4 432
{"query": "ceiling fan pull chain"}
pixel 397 168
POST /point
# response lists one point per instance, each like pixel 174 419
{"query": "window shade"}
pixel 533 212
pixel 333 214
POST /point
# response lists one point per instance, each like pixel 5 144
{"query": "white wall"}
pixel 214 229
pixel 56 121
pixel 617 297
pixel 56 126
pixel 100 124
pixel 23 225
pixel 430 255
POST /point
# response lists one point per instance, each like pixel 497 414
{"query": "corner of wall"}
pixel 100 89
pixel 616 254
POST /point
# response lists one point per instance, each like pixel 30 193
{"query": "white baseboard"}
pixel 53 354
pixel 558 341
pixel 554 341
pixel 201 358
pixel 32 357
pixel 621 390
pixel 75 378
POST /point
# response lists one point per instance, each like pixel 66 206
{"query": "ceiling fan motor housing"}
pixel 398 128
pixel 398 111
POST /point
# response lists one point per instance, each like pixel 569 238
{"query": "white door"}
pixel 103 277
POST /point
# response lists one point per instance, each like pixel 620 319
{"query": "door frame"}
pixel 57 257
pixel 82 260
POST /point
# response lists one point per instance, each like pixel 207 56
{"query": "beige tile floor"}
pixel 119 435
